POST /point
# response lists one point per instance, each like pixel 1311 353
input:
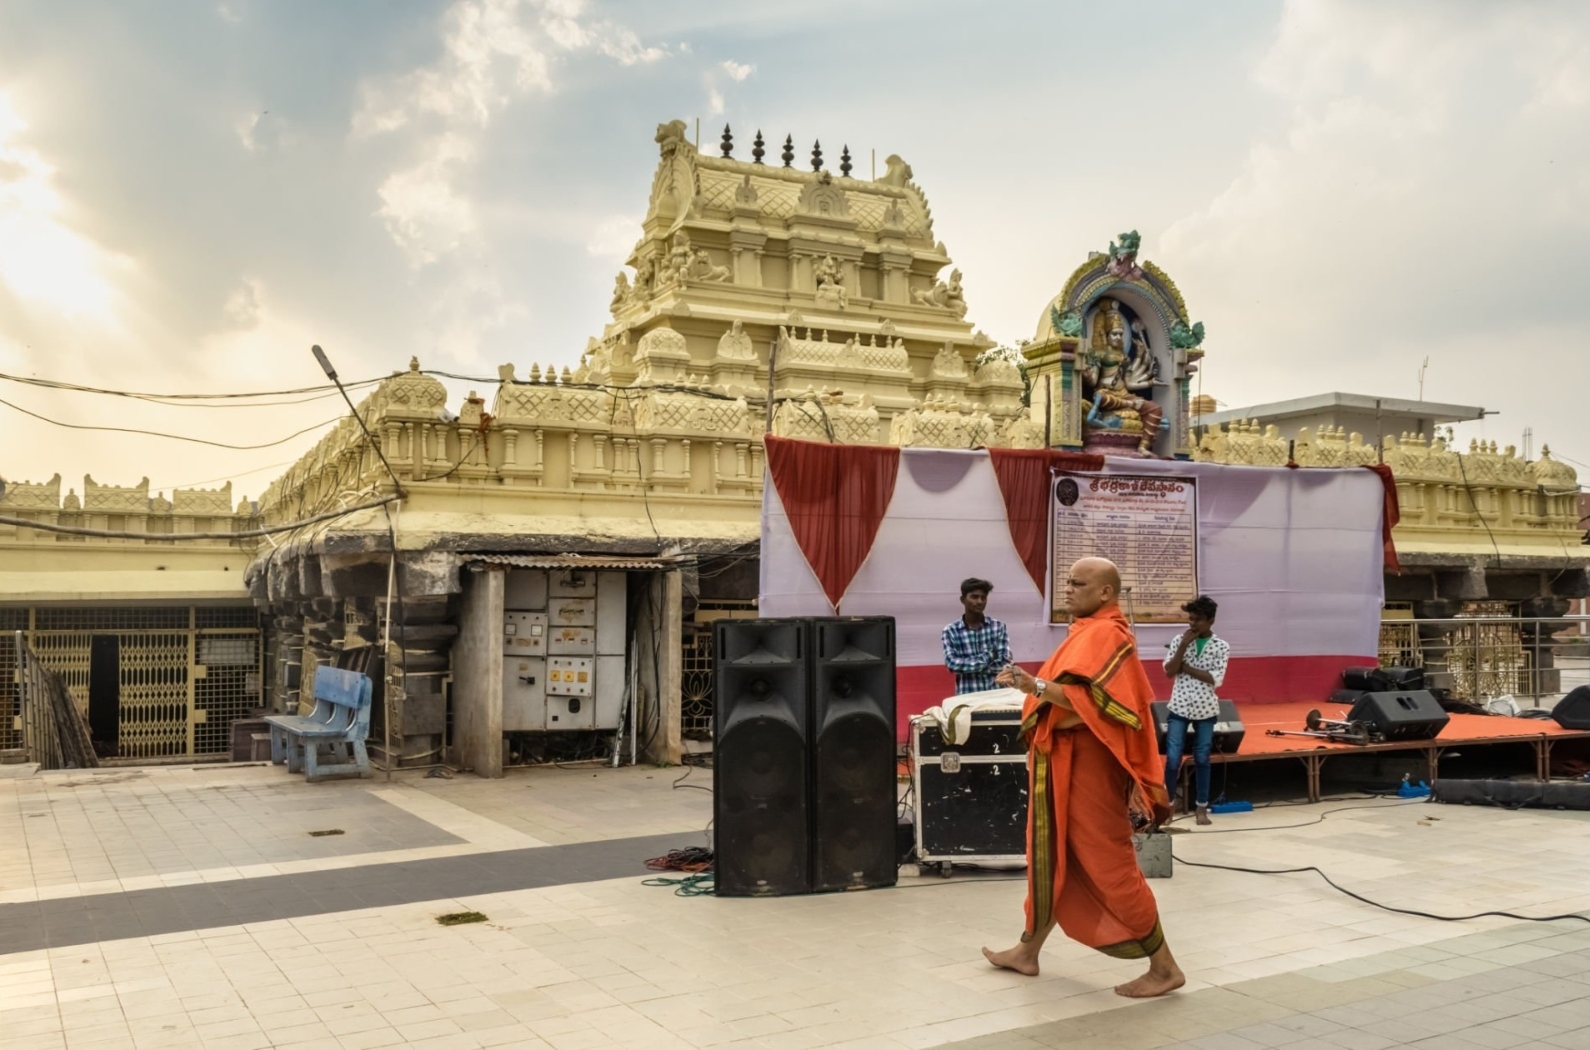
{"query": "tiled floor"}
pixel 566 962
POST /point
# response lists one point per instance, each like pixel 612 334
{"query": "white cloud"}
pixel 495 53
pixel 714 99
pixel 425 213
pixel 738 71
pixel 43 260
pixel 470 309
pixel 1430 151
pixel 245 307
pixel 613 237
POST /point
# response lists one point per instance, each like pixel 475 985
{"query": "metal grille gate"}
pixel 184 674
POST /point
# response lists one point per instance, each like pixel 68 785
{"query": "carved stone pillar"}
pixel 894 276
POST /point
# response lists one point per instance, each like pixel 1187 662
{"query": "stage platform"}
pixel 1257 745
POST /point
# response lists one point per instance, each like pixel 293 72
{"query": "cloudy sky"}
pixel 191 193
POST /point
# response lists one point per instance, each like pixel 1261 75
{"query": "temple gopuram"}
pixel 762 296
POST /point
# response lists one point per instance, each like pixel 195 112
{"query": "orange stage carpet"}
pixel 1256 718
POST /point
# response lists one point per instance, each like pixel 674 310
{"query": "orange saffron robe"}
pixel 1081 864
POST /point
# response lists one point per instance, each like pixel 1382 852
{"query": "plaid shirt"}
pixel 976 656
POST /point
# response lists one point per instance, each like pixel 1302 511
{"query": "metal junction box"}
pixel 525 589
pixel 524 694
pixel 564 646
pixel 571 612
pixel 569 676
pixel 524 634
pixel 572 641
pixel 572 583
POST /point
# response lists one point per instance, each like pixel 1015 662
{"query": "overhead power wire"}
pixel 265 530
pixel 326 389
pixel 173 437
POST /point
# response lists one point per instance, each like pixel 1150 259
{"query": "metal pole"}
pixel 1048 411
pixel 386 655
pixel 772 363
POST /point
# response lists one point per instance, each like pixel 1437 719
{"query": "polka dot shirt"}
pixel 1189 697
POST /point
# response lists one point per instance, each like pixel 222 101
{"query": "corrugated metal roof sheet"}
pixel 573 561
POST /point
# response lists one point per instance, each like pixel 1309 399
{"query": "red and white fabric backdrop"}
pixel 1294 557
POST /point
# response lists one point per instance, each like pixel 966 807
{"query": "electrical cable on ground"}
pixel 695 861
pixel 1384 907
pixel 1307 823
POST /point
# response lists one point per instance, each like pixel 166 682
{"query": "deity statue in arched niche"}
pixel 1119 372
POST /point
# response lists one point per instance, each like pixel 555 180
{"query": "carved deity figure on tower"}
pixel 687 263
pixel 830 283
pixel 945 295
pixel 1118 379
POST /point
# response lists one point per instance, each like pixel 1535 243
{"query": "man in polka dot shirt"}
pixel 1196 665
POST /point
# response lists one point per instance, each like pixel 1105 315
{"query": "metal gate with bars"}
pixel 182 675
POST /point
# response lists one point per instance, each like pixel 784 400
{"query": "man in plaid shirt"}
pixel 976 647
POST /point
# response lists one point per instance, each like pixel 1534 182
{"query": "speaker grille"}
pixel 760 784
pixel 853 769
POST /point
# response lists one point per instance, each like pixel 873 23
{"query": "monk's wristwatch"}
pixel 1039 685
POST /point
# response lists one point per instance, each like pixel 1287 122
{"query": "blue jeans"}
pixel 1175 742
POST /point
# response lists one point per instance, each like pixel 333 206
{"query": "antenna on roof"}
pixel 1422 369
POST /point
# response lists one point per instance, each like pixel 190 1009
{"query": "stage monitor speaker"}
pixel 1409 715
pixel 1229 730
pixel 1347 697
pixel 853 772
pixel 759 778
pixel 1573 710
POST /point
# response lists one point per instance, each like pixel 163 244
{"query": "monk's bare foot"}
pixel 1018 958
pixel 1157 981
pixel 1203 815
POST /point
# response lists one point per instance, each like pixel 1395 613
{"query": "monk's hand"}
pixel 1015 677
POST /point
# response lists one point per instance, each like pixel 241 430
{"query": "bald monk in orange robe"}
pixel 1091 743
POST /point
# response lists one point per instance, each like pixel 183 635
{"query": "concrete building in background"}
pixel 1375 418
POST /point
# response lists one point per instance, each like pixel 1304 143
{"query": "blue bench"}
pixel 340 722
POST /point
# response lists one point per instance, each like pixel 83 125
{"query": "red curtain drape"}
pixel 1390 514
pixel 1024 476
pixel 835 497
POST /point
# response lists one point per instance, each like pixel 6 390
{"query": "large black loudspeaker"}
pixel 853 764
pixel 1410 715
pixel 1573 710
pixel 1229 730
pixel 759 776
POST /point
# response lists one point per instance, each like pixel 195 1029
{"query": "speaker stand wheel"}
pixel 944 869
